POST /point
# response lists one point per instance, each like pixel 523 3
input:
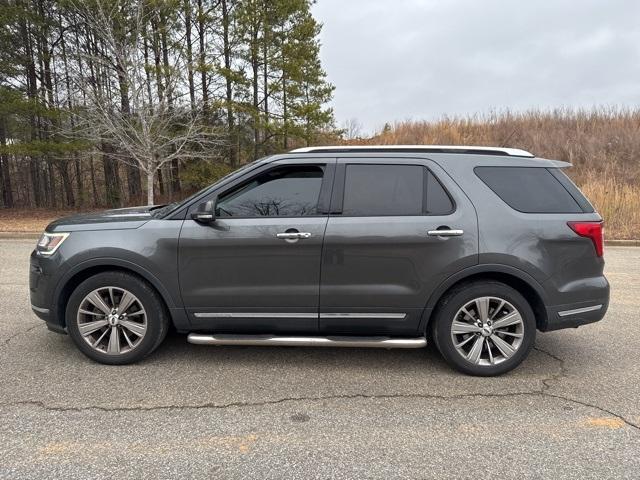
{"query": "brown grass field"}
pixel 602 144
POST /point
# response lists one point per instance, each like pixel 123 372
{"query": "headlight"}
pixel 49 242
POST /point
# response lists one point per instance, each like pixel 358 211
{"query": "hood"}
pixel 118 219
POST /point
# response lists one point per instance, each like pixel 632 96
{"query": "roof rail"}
pixel 510 152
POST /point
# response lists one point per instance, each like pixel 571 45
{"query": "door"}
pixel 257 267
pixel 398 228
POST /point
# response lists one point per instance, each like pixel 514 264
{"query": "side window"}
pixel 290 191
pixel 438 200
pixel 393 190
pixel 378 190
pixel 529 189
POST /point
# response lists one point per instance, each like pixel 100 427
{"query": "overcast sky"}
pixel 421 59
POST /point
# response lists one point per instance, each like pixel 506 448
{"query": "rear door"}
pixel 257 267
pixel 398 227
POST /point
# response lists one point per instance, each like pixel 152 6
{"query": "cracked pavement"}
pixel 572 410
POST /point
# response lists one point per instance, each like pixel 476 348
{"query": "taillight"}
pixel 592 230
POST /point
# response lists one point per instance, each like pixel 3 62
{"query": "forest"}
pixel 106 103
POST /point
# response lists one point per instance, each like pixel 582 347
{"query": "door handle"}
pixel 293 235
pixel 445 233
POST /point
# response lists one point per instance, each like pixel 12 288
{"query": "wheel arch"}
pixel 87 269
pixel 524 283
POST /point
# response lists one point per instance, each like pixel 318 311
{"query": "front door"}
pixel 385 247
pixel 256 269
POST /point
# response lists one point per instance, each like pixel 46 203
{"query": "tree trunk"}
pixel 93 183
pixel 285 112
pixel 32 94
pixel 66 183
pixel 150 179
pixel 174 178
pixel 233 152
pixel 187 26
pixel 5 175
pixel 254 79
pixel 202 60
pixel 111 177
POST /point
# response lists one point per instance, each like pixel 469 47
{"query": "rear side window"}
pixel 529 189
pixel 572 189
pixel 438 200
pixel 393 190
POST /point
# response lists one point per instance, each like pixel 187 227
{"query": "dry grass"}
pixel 602 144
pixel 29 220
pixel 618 203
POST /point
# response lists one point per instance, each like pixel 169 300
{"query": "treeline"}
pixel 112 102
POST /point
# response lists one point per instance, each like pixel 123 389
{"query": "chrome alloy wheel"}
pixel 112 320
pixel 487 331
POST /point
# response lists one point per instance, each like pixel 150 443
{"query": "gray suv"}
pixel 473 248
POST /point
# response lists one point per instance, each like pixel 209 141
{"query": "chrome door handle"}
pixel 445 233
pixel 293 235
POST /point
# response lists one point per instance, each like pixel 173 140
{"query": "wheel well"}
pixel 81 276
pixel 526 290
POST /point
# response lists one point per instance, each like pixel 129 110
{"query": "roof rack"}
pixel 510 152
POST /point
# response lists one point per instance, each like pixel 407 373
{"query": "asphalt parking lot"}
pixel 571 410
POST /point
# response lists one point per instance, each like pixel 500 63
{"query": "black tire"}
pixel 156 316
pixel 460 296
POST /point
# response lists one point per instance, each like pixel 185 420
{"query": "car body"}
pixel 342 246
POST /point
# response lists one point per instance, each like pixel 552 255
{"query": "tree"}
pixel 96 93
pixel 145 135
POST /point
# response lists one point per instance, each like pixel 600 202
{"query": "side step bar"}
pixel 282 341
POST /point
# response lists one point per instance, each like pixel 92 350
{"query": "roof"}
pixel 511 152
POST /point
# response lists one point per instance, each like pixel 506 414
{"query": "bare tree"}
pixel 351 129
pixel 146 135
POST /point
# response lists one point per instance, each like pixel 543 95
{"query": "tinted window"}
pixel 383 190
pixel 572 189
pixel 438 201
pixel 280 192
pixel 529 189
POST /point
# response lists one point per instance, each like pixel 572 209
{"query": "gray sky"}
pixel 421 59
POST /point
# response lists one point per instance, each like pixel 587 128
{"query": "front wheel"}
pixel 484 328
pixel 116 318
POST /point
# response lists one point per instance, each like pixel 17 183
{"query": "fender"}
pixel 176 309
pixel 476 270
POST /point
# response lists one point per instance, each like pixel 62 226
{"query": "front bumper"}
pixel 42 283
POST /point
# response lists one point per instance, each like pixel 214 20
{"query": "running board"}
pixel 292 341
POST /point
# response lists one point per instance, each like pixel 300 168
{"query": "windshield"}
pixel 166 209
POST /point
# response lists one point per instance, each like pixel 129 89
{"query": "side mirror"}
pixel 206 212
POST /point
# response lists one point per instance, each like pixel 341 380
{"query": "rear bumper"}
pixel 575 314
pixel 576 302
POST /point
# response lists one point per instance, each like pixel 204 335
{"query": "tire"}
pixel 117 301
pixel 504 341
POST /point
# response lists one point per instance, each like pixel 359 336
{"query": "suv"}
pixel 473 248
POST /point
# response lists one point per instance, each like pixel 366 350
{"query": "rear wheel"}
pixel 484 328
pixel 116 318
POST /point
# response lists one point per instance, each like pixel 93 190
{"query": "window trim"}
pixel 327 181
pixel 337 200
pixel 580 207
